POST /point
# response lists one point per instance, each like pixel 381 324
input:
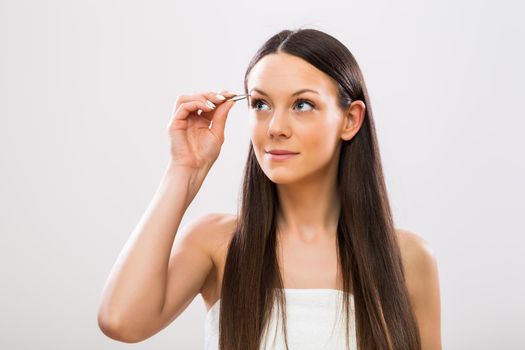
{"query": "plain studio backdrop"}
pixel 87 89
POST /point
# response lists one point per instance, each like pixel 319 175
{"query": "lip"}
pixel 281 151
pixel 280 157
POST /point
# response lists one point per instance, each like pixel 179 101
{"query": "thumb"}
pixel 219 119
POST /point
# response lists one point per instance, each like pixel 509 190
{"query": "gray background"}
pixel 86 91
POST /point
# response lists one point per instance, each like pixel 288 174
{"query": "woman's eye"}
pixel 255 104
pixel 305 101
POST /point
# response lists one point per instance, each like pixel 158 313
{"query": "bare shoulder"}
pixel 209 226
pixel 207 233
pixel 422 279
pixel 221 229
pixel 212 232
pixel 419 260
pixel 416 252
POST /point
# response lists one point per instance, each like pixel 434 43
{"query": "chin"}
pixel 281 176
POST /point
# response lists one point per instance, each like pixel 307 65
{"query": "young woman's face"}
pixel 309 123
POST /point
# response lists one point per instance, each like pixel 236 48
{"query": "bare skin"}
pixel 305 265
pixel 302 269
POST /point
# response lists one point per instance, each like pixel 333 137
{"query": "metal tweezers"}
pixel 238 97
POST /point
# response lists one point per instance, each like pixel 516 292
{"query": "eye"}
pixel 307 102
pixel 255 103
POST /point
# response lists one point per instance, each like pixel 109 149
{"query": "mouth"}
pixel 281 151
pixel 280 157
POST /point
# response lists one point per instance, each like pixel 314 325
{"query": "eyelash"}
pixel 257 100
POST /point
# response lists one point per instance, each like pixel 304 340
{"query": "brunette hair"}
pixel 369 258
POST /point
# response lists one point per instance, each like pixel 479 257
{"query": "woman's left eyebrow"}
pixel 294 94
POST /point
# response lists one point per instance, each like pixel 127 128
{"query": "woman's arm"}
pixel 147 275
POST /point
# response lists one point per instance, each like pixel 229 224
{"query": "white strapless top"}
pixel 314 321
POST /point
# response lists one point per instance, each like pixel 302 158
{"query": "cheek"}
pixel 258 139
pixel 319 143
pixel 255 133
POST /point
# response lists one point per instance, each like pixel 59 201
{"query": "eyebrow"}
pixel 294 94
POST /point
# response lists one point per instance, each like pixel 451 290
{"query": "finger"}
pixel 186 108
pixel 187 98
pixel 208 95
pixel 218 97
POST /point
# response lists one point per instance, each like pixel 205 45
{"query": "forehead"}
pixel 284 73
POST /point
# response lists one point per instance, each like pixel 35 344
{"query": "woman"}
pixel 315 223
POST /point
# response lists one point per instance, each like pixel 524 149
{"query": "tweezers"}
pixel 238 97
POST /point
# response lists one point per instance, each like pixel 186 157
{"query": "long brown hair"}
pixel 369 259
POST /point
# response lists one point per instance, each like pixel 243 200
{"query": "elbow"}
pixel 115 330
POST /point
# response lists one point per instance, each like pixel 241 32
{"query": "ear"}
pixel 353 119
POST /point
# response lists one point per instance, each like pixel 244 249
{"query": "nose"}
pixel 279 124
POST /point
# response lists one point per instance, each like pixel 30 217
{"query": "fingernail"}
pixel 210 104
pixel 220 97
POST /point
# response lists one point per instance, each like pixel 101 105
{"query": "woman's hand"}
pixel 194 142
